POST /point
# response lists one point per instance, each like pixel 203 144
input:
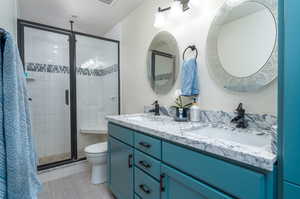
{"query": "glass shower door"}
pixel 47 64
pixel 97 88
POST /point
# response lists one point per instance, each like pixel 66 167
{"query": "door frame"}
pixel 21 24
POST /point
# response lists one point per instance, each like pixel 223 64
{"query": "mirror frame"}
pixel 267 73
pixel 176 64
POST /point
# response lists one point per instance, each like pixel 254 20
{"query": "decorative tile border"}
pixel 50 68
pixel 97 72
pixel 47 68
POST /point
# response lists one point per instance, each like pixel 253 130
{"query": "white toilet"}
pixel 96 154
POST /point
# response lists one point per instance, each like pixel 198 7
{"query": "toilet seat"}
pixel 96 148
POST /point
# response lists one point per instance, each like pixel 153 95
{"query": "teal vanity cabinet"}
pixel 120 162
pixel 176 185
pixel 289 97
pixel 224 177
pixel 160 169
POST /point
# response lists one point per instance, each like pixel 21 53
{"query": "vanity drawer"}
pixel 291 191
pixel 145 186
pixel 121 133
pixel 234 180
pixel 147 164
pixel 148 145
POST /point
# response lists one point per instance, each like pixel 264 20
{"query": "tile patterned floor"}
pixel 74 187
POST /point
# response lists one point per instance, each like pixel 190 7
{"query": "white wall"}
pixel 137 32
pixel 8 15
pixel 115 33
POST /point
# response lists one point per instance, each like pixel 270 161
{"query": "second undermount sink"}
pixel 249 139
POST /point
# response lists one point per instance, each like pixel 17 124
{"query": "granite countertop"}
pixel 255 146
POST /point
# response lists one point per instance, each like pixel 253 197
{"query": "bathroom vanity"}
pixel 154 157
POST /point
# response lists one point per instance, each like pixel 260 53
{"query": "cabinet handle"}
pixel 145 189
pixel 144 144
pixel 130 156
pixel 145 164
pixel 161 182
pixel 67 97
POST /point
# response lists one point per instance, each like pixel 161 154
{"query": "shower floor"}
pixel 59 157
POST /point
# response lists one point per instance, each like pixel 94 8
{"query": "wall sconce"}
pixel 176 8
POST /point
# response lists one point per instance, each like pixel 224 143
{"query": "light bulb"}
pixel 176 9
pixel 160 20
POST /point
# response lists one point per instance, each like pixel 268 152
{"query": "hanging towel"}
pixel 20 168
pixel 189 78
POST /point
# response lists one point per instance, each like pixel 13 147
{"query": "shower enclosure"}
pixel 73 83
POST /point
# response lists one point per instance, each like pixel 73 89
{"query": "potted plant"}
pixel 181 108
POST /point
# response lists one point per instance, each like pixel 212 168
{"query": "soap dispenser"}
pixel 195 112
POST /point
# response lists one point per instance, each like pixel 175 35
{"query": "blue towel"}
pixel 189 78
pixel 18 173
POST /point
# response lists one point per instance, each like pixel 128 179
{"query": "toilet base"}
pixel 98 175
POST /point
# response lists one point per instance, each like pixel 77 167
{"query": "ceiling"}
pixel 94 17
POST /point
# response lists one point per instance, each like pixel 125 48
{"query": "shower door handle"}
pixel 67 97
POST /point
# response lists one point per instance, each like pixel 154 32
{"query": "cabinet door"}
pixel 177 185
pixel 120 169
pixel 291 95
pixel 291 191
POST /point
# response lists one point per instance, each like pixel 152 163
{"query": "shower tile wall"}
pixel 47 65
pixel 97 94
pixel 50 115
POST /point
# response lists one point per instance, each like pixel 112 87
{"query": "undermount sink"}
pixel 249 139
pixel 141 118
pixel 137 118
pixel 206 130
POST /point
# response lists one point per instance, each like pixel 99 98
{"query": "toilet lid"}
pixel 96 148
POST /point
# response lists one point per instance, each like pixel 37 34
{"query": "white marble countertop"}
pixel 252 146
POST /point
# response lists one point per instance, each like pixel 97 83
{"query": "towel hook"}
pixel 193 48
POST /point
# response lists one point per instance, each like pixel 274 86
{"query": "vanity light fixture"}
pixel 176 8
pixel 160 18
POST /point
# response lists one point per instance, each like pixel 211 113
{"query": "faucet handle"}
pixel 240 109
pixel 155 102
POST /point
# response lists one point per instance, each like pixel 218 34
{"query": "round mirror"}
pixel 163 62
pixel 242 45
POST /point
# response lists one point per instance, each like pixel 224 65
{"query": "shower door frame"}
pixel 72 77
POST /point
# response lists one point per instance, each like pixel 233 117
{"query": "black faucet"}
pixel 240 120
pixel 156 108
